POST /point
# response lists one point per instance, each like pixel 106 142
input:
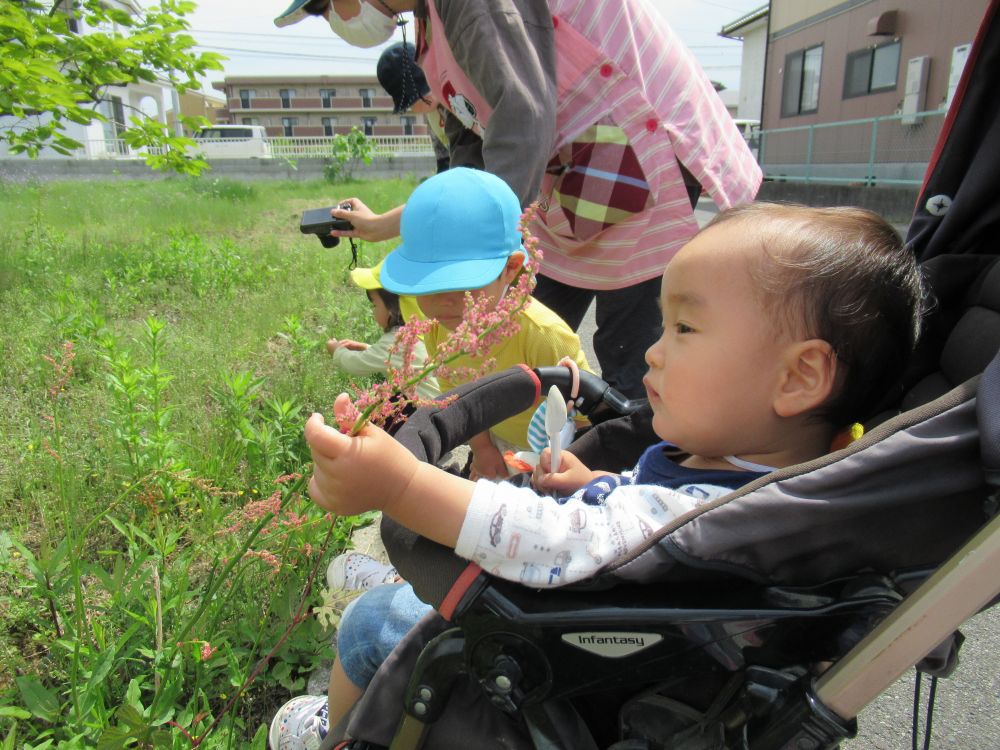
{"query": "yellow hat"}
pixel 368 278
pixel 371 278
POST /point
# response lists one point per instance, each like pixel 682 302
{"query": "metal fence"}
pixel 891 150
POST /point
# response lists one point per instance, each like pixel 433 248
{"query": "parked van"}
pixel 233 142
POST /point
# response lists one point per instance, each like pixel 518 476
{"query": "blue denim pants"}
pixel 372 625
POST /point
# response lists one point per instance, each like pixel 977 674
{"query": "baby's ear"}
pixel 808 377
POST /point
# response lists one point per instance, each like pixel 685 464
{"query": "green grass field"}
pixel 148 559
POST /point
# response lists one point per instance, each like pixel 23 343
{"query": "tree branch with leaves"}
pixel 50 75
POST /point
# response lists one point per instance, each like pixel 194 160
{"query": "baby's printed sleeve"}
pixel 514 533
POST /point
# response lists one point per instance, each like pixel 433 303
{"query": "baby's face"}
pixel 713 373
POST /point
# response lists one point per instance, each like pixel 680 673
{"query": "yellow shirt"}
pixel 543 339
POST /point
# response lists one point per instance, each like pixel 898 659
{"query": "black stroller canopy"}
pixel 958 211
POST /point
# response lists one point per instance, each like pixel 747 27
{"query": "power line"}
pixel 278 53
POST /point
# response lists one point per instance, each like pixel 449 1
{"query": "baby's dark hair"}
pixel 391 302
pixel 845 275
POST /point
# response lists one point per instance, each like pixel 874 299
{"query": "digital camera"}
pixel 318 221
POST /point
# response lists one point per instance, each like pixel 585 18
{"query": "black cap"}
pixel 400 76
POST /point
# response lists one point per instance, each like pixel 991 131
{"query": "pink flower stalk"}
pixel 252 512
pixel 266 556
pixel 62 369
pixel 485 324
pixel 207 651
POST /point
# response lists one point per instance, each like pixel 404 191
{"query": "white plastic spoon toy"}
pixel 555 420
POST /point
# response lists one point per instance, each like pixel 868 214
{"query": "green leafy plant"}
pixel 347 153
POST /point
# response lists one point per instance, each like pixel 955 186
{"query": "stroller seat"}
pixel 723 611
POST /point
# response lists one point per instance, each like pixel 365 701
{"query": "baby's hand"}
pixel 355 474
pixel 570 476
pixel 487 462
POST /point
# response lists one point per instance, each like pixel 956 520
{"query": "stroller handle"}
pixel 595 396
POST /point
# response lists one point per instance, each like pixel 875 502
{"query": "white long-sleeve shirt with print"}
pixel 514 533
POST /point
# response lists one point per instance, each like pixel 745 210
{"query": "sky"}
pixel 245 32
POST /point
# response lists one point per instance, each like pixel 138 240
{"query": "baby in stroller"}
pixel 781 323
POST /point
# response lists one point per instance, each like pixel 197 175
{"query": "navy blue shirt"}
pixel 655 467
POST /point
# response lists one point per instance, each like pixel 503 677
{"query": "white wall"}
pixel 752 71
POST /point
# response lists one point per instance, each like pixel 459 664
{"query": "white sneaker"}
pixel 356 570
pixel 300 724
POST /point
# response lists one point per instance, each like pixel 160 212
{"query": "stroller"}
pixel 767 618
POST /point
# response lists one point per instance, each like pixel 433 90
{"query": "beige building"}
pixel 855 91
pixel 197 104
pixel 310 106
pixel 830 60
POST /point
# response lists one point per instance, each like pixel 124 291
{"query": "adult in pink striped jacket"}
pixel 599 112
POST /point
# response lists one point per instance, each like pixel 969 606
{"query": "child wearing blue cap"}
pixel 460 234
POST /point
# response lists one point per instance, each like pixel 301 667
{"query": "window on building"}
pixel 800 83
pixel 329 125
pixel 250 121
pixel 288 125
pixel 113 110
pixel 366 97
pixel 327 96
pixel 408 123
pixel 369 125
pixel 286 97
pixel 247 97
pixel 871 70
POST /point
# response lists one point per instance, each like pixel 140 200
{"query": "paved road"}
pixel 967 712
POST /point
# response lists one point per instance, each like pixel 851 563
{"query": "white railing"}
pixel 383 146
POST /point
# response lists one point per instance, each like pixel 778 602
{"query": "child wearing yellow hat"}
pixel 359 358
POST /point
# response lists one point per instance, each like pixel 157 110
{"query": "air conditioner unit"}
pixel 958 57
pixel 914 97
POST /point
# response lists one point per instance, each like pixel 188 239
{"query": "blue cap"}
pixel 458 229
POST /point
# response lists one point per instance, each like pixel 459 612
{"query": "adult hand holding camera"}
pixel 368 225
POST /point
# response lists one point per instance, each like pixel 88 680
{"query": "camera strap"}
pixel 354 255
